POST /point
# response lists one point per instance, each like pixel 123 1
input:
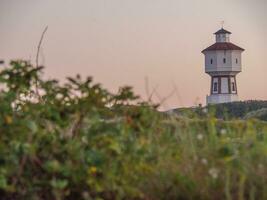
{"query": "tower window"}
pixel 224 60
pixel 233 87
pixel 236 61
pixel 215 87
pixel 211 61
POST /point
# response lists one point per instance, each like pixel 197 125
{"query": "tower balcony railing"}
pixel 235 69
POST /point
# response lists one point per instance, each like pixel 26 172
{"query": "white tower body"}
pixel 223 63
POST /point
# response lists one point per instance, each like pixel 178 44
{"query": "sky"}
pixel 152 45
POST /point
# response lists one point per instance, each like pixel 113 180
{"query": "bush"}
pixel 258 114
pixel 237 109
pixel 79 141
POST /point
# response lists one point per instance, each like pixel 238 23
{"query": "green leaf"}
pixel 59 183
pixel 3 182
pixel 32 126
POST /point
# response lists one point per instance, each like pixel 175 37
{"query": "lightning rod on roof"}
pixel 222 23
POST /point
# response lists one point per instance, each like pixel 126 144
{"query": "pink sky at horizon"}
pixel 125 42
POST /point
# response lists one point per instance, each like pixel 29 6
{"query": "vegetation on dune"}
pixel 78 141
pixel 259 114
pixel 235 110
pixel 239 109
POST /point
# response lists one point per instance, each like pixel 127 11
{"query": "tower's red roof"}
pixel 222 31
pixel 223 46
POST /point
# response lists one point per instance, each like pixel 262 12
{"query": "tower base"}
pixel 221 98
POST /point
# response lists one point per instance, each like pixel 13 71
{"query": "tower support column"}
pixel 223 89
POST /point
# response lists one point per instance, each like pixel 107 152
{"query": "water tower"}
pixel 223 63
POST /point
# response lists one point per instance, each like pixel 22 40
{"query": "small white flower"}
pixel 260 166
pixel 86 195
pixel 59 96
pixel 200 137
pixel 84 140
pixel 204 161
pixel 205 110
pixel 195 158
pixel 236 152
pixel 214 173
pixel 223 132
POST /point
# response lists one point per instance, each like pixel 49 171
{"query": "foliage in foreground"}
pixel 78 141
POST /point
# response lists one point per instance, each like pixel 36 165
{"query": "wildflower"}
pixel 200 137
pixel 205 110
pixel 86 195
pixel 223 132
pixel 59 96
pixel 92 170
pixel 204 161
pixel 236 152
pixel 8 119
pixel 213 172
pixel 260 167
pixel 84 140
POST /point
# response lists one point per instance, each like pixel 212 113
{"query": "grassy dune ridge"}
pixel 78 141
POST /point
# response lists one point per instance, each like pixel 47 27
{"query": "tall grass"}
pixel 78 141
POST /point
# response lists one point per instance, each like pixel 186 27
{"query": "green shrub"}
pixel 79 141
pixel 258 114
